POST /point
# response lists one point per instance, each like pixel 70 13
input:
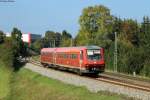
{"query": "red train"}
pixel 85 59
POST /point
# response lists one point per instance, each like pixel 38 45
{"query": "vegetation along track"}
pixel 109 78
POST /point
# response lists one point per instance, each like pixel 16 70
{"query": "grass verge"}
pixel 5 76
pixel 28 85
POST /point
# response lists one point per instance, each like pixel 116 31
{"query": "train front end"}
pixel 94 62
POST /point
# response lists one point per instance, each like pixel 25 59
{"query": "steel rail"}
pixel 109 80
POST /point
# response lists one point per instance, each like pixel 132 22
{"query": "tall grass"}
pixel 5 76
pixel 27 85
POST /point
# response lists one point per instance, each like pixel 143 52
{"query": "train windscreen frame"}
pixel 93 54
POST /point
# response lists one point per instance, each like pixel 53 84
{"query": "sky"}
pixel 38 16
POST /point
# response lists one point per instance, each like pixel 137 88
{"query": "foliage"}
pixel 36 46
pixel 145 44
pixel 7 55
pixel 17 43
pixel 145 34
pixel 146 69
pixel 129 31
pixel 66 39
pixel 12 49
pixel 51 39
pixel 97 27
pixel 2 37
pixel 56 39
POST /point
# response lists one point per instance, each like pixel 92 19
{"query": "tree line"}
pixel 12 48
pixel 53 39
pixel 97 27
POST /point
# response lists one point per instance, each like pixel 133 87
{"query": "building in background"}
pixel 28 37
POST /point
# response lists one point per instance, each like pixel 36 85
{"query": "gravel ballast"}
pixel 91 84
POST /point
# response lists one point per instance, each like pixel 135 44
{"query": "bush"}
pixel 146 69
pixel 130 59
pixel 6 54
pixel 136 60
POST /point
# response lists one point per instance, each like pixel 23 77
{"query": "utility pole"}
pixel 71 42
pixel 115 53
pixel 50 44
pixel 54 44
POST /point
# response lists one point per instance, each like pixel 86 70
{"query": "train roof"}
pixel 66 49
pixel 47 49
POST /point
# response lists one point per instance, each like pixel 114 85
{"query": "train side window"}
pixel 72 56
pixel 65 56
pixel 61 55
pixel 58 55
pixel 75 56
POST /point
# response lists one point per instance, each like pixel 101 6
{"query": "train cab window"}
pixel 93 54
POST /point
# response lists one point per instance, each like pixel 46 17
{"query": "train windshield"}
pixel 93 54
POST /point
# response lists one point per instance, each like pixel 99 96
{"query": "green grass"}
pixel 28 85
pixel 5 75
pixel 37 57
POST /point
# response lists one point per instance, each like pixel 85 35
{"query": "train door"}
pixel 81 58
pixel 54 57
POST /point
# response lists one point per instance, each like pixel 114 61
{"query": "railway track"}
pixel 108 78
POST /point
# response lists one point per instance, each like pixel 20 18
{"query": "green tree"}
pixel 145 33
pixel 37 45
pixel 58 39
pixel 144 37
pixel 7 55
pixel 95 23
pixel 2 37
pixel 17 43
pixel 52 39
pixel 65 34
pixel 66 39
pixel 129 31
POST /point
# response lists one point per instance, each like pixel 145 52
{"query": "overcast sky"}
pixel 37 16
